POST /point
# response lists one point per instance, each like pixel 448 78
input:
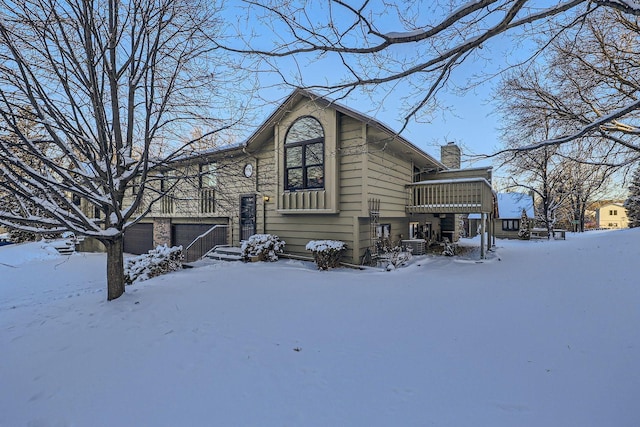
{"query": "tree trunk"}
pixel 115 267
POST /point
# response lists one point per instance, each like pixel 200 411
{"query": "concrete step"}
pixel 65 247
pixel 226 253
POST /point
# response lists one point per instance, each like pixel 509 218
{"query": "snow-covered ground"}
pixel 544 333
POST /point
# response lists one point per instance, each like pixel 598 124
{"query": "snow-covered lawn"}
pixel 545 333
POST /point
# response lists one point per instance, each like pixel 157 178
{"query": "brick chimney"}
pixel 450 155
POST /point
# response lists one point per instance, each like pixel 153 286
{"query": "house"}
pixel 510 207
pixel 315 169
pixel 612 216
pixel 506 221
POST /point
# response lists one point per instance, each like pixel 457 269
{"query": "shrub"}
pixel 326 253
pixel 449 248
pixel 396 256
pixel 21 236
pixel 264 246
pixel 156 262
pixel 524 232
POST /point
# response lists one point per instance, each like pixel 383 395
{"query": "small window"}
pixel 304 155
pixel 207 176
pixel 615 212
pixel 383 231
pixel 510 224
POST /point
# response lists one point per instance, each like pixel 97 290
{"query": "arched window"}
pixel 304 155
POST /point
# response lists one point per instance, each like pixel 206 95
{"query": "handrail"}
pixel 202 246
pixel 203 235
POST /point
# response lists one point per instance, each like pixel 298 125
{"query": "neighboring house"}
pixel 508 216
pixel 612 216
pixel 510 206
pixel 314 170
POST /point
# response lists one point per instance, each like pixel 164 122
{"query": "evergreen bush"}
pixel 264 246
pixel 524 232
pixel 632 204
pixel 326 253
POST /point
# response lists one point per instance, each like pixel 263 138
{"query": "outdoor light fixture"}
pixel 265 198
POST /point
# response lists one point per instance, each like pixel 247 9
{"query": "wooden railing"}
pixel 469 195
pixel 207 200
pixel 167 204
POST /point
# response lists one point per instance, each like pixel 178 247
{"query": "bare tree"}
pixel 414 45
pixel 561 177
pixel 579 83
pixel 112 87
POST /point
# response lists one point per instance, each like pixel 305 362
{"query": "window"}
pixel 383 231
pixel 510 225
pixel 207 176
pixel 304 155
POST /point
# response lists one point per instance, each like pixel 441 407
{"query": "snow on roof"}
pixel 510 205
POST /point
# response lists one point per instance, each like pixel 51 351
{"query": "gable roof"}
pixel 510 205
pixel 616 204
pixel 298 94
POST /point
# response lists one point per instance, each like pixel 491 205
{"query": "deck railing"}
pixel 469 195
pixel 167 204
pixel 207 200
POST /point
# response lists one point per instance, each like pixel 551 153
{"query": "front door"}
pixel 247 216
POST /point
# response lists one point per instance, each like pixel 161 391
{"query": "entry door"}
pixel 247 216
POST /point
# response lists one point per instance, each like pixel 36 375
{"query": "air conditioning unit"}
pixel 418 246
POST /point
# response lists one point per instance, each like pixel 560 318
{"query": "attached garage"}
pixel 184 234
pixel 138 239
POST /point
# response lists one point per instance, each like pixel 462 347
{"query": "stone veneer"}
pixel 162 231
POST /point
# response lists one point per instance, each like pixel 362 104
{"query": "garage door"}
pixel 184 234
pixel 138 239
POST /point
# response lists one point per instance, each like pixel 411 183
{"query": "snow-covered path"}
pixel 544 333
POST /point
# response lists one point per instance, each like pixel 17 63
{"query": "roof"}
pixel 616 204
pixel 299 93
pixel 510 205
pixel 261 133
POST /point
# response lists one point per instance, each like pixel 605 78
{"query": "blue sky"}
pixel 468 119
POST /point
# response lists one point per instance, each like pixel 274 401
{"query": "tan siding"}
pixel 298 230
pixel 387 177
pixel 351 168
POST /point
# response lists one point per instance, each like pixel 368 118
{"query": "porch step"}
pixel 226 253
pixel 65 247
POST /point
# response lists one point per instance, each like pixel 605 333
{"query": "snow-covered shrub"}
pixel 21 236
pixel 160 260
pixel 264 246
pixel 449 248
pixel 395 257
pixel 326 253
pixel 632 204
